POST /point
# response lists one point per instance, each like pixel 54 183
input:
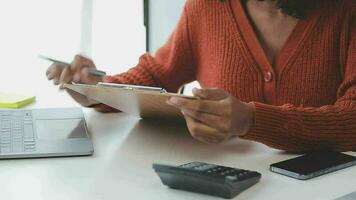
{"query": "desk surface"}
pixel 121 167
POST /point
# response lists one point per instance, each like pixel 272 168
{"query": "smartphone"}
pixel 313 165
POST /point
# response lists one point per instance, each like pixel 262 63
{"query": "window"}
pixel 118 34
pixel 29 28
pixel 109 31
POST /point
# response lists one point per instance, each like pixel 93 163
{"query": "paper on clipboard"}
pixel 138 102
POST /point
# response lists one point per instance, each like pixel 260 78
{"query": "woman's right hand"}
pixel 77 72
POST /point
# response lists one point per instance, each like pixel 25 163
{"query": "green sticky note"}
pixel 14 100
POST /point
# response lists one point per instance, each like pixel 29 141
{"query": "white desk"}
pixel 121 167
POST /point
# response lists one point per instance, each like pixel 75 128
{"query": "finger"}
pixel 56 81
pixel 65 77
pixel 200 130
pixel 86 77
pixel 211 107
pixel 53 71
pixel 80 62
pixel 49 70
pixel 210 94
pixel 213 121
pixel 208 140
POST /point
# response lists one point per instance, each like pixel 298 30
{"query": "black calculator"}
pixel 206 178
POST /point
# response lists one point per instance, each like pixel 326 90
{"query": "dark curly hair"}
pixel 296 8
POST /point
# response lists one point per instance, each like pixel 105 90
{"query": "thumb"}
pixel 210 94
pixel 87 78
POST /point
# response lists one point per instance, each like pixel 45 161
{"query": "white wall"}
pixel 118 34
pixel 53 27
pixel 29 28
pixel 164 15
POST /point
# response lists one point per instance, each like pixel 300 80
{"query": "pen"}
pixel 92 71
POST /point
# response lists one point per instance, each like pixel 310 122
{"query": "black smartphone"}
pixel 313 165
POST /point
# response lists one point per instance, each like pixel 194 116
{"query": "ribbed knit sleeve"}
pixel 301 129
pixel 170 68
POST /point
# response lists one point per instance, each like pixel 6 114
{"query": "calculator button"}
pixel 204 167
pixel 231 178
pixel 192 165
pixel 237 171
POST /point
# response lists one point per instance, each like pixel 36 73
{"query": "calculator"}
pixel 226 182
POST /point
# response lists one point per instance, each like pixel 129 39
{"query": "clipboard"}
pixel 140 101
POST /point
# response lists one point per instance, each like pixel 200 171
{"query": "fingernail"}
pixel 76 78
pixel 196 90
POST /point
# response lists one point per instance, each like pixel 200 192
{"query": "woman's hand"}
pixel 216 116
pixel 77 72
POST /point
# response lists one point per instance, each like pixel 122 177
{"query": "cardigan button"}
pixel 268 77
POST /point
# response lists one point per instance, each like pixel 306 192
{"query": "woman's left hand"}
pixel 216 116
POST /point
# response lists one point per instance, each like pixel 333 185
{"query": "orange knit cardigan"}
pixel 305 101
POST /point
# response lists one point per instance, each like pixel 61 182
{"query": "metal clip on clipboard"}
pixel 133 87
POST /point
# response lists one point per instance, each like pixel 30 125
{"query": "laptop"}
pixel 351 196
pixel 43 133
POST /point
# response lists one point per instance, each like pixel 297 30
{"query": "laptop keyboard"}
pixel 16 132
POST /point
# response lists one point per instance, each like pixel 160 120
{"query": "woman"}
pixel 285 72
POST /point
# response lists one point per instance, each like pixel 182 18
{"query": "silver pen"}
pixel 92 71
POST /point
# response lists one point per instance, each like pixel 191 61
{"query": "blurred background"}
pixel 111 32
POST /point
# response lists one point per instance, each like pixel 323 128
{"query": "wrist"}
pixel 250 118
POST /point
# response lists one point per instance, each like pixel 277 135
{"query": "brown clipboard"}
pixel 141 103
